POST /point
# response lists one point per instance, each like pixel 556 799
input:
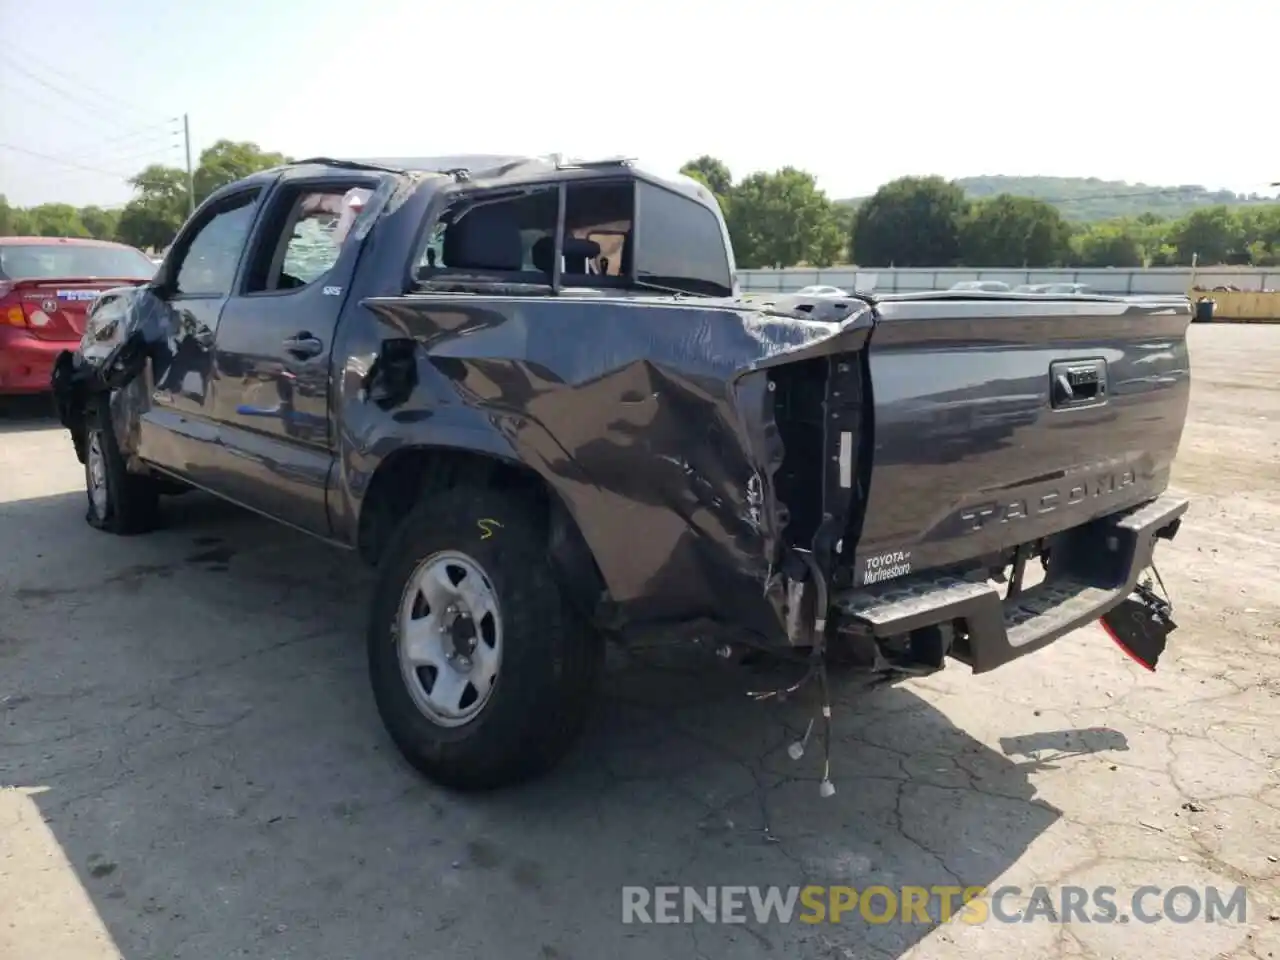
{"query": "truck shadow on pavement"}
pixel 26 413
pixel 187 721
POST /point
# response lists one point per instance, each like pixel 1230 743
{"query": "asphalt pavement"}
pixel 191 764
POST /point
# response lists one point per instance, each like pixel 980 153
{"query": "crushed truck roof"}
pixel 496 170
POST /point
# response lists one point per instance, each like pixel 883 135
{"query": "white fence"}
pixel 1167 280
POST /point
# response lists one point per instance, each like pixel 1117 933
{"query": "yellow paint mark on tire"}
pixel 487 526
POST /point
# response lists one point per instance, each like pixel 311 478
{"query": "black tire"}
pixel 130 504
pixel 551 660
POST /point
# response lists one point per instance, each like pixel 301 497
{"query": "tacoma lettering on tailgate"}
pixel 1021 508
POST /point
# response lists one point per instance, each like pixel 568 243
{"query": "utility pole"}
pixel 191 180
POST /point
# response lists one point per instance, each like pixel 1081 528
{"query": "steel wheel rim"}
pixel 449 638
pixel 96 472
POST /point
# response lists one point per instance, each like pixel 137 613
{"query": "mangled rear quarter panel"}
pixel 651 419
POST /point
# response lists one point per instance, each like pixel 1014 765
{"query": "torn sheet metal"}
pixel 126 328
pixel 653 420
pixel 656 430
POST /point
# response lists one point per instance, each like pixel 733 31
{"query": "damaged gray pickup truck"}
pixel 529 392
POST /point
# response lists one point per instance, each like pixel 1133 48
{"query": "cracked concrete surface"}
pixel 191 764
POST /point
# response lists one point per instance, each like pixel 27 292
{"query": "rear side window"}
pixel 616 233
pixel 492 236
pixel 516 234
pixel 680 244
pixel 67 261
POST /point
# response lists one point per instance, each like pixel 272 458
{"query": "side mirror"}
pixel 160 286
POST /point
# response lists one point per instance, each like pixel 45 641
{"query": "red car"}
pixel 47 285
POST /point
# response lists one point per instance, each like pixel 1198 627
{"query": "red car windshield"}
pixel 64 261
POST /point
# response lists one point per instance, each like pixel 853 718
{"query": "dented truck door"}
pixel 178 432
pixel 273 350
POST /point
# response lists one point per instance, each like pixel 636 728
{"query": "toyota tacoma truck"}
pixel 530 393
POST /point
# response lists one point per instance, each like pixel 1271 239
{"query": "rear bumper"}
pixel 26 362
pixel 1093 569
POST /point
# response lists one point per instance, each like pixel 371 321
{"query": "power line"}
pixel 110 98
pixel 154 148
pixel 162 138
pixel 80 114
pixel 61 160
pixel 168 126
pixel 126 177
pixel 88 108
pixel 78 83
pixel 84 109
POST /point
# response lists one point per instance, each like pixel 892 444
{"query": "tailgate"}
pixel 1000 421
pixel 55 309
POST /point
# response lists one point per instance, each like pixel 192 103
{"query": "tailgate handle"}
pixel 1077 383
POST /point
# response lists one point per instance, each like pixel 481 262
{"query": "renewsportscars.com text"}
pixel 931 905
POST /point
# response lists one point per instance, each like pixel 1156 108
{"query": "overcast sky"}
pixel 1160 91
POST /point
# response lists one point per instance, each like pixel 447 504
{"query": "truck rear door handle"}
pixel 303 346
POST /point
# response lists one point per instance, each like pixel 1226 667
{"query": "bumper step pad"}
pixel 1001 630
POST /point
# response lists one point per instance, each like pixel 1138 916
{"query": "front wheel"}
pixel 120 502
pixel 482 670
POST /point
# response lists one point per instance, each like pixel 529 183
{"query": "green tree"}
pixel 712 173
pixel 1263 223
pixel 152 217
pixel 909 222
pixel 1007 231
pixel 1262 255
pixel 1261 227
pixel 781 219
pixel 1212 235
pixel 227 161
pixel 1107 245
pixel 100 223
pixel 56 220
pixel 1151 229
pixel 14 221
pixel 846 217
pixel 155 214
pixel 831 244
pixel 1113 244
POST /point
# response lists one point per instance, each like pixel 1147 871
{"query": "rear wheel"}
pixel 482 671
pixel 120 502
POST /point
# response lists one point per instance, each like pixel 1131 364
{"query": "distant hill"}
pixel 1088 198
